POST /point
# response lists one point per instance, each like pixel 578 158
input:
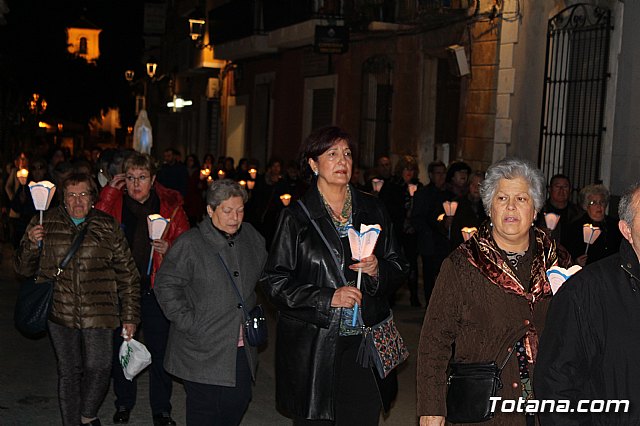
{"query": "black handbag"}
pixel 33 305
pixel 255 324
pixel 469 389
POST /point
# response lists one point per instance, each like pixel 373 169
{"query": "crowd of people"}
pixel 485 241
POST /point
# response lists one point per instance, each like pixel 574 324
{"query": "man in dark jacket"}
pixel 589 349
pixel 433 244
pixel 559 203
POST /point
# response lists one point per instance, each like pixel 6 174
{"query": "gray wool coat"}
pixel 195 293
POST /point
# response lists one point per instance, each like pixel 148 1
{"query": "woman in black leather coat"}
pixel 318 380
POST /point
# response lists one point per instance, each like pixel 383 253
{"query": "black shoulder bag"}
pixel 382 346
pixel 35 299
pixel 255 324
pixel 469 387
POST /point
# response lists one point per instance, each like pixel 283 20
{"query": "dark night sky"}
pixel 33 55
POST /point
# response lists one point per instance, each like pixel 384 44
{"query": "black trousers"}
pixel 356 396
pixel 83 370
pixel 212 405
pixel 156 334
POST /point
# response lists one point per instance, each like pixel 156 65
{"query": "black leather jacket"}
pixel 300 278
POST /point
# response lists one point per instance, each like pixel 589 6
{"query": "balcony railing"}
pixel 240 19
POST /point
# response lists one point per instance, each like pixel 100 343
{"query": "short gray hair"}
pixel 626 210
pixel 512 168
pixel 221 190
pixel 590 190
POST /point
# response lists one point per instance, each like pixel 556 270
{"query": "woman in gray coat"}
pixel 194 289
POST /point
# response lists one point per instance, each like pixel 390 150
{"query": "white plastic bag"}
pixel 134 357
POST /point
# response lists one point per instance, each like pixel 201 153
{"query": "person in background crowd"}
pixel 397 197
pixel 21 210
pixel 130 197
pixel 382 171
pixel 98 291
pixel 470 212
pixel 59 155
pixel 357 179
pixel 318 380
pixel 229 168
pixel 384 168
pixel 457 179
pixel 559 203
pixel 242 171
pixel 62 171
pixel 206 346
pixel 589 349
pixel 21 161
pixel 193 201
pixel 173 174
pixel 266 199
pixel 18 199
pixel 433 244
pixel 594 200
pixel 491 296
pixel 207 162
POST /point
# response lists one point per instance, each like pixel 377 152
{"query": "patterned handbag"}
pixel 382 347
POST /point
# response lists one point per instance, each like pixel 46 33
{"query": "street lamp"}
pixel 37 104
pixel 151 68
pixel 196 32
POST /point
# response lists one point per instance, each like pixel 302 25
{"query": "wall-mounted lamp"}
pixel 128 75
pixel 151 68
pixel 196 28
pixel 196 32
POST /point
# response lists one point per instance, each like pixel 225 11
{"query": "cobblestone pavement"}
pixel 28 378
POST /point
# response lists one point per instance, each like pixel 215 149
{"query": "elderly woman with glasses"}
pixel 594 200
pixel 130 197
pixel 491 297
pixel 97 292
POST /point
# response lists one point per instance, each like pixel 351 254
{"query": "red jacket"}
pixel 111 199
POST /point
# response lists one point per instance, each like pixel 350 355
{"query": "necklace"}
pixel 341 220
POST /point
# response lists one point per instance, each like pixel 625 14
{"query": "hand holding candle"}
pixel 157 225
pixel 362 244
pixel 590 234
pixel 42 194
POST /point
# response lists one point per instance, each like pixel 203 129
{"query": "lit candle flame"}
pixel 221 174
pixel 286 199
pixel 467 233
pixel 253 173
pixel 243 183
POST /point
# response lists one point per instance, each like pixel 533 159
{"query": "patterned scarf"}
pixel 483 253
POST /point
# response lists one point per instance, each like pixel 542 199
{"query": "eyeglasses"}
pixel 133 179
pixel 597 203
pixel 73 195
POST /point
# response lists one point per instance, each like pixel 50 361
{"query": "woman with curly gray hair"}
pixel 594 200
pixel 491 296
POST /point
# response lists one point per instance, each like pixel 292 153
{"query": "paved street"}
pixel 28 374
